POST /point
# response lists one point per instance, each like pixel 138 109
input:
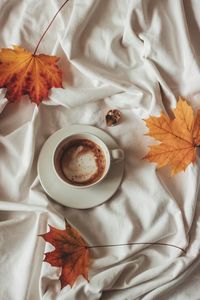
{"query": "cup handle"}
pixel 116 155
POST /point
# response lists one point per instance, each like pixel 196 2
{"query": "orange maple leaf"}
pixel 71 253
pixel 22 72
pixel 179 138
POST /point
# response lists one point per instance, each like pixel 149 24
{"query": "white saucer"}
pixel 72 197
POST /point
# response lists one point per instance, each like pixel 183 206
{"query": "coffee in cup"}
pixel 82 160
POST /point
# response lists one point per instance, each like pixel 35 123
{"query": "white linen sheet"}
pixel 133 55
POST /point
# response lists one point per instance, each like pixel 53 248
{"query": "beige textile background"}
pixel 133 55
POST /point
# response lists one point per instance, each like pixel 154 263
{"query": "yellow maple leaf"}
pixel 179 138
pixel 22 72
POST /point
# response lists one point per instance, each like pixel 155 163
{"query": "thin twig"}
pixel 34 53
pixel 128 244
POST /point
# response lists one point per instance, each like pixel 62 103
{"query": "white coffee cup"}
pixel 77 165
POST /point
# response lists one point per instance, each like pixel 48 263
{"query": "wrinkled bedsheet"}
pixel 132 55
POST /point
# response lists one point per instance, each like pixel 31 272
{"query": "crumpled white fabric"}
pixel 133 55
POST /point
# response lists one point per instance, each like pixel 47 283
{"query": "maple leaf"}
pixel 179 138
pixel 71 253
pixel 22 72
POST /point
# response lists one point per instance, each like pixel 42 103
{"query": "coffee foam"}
pixel 79 165
pixel 82 162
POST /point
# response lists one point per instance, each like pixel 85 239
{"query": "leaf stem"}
pixel 128 244
pixel 34 53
